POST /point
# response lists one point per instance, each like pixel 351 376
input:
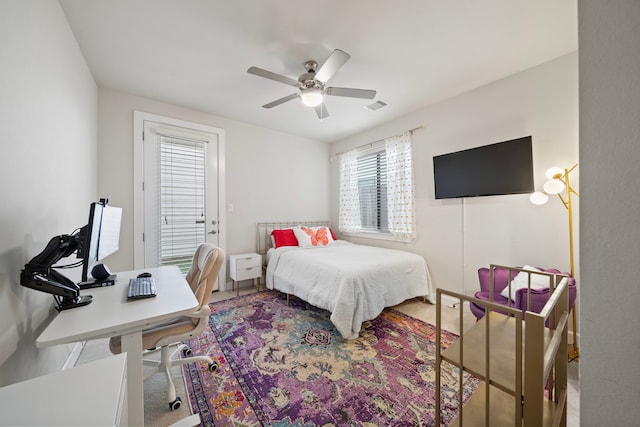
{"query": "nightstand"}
pixel 244 267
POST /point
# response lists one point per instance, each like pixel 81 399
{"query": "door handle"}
pixel 213 232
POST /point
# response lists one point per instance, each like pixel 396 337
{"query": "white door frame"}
pixel 139 118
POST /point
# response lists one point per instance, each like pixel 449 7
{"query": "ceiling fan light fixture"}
pixel 312 97
pixel 312 84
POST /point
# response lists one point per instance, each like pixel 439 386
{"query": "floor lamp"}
pixel 557 184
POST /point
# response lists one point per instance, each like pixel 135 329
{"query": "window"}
pixel 377 191
pixel 372 190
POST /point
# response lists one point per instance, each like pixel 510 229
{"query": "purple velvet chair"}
pixel 539 296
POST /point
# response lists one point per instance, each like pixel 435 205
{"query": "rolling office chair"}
pixel 207 262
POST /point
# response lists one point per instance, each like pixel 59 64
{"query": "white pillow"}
pixel 521 282
pixel 313 236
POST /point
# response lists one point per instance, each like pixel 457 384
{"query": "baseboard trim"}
pixel 449 301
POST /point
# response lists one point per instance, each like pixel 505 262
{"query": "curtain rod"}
pixel 370 144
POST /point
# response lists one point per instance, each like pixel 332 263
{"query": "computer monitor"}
pixel 96 240
pixel 100 237
pixel 109 241
pixel 88 239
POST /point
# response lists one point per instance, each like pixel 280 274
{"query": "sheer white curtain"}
pixel 401 197
pixel 349 210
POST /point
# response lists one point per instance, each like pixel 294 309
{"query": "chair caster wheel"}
pixel 186 352
pixel 175 404
pixel 213 366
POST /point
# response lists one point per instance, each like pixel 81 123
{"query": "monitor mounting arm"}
pixel 39 274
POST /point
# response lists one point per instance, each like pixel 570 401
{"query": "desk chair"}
pixel 207 262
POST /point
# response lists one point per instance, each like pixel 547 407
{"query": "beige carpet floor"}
pixel 156 406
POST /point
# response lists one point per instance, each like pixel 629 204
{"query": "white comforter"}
pixel 354 282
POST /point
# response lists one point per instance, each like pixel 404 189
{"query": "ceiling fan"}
pixel 311 84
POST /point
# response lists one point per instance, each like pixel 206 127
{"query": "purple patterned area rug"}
pixel 286 365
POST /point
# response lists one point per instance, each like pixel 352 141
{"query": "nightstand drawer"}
pixel 244 263
pixel 248 273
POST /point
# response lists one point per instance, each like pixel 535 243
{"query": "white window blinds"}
pixel 372 188
pixel 182 199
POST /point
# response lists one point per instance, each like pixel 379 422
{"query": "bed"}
pixel 353 282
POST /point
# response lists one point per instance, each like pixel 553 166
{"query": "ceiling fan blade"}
pixel 280 101
pixel 332 65
pixel 321 111
pixel 272 76
pixel 351 93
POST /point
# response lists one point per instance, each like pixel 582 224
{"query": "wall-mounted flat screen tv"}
pixel 501 168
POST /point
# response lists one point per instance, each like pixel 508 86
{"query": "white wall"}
pixel 48 110
pixel 270 176
pixel 609 152
pixel 458 236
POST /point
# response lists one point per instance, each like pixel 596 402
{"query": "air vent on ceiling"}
pixel 376 105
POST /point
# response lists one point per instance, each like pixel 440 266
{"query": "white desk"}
pixel 111 315
pixel 87 395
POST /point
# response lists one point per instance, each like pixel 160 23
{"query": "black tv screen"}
pixel 501 168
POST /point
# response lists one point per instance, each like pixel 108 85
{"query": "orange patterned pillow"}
pixel 314 236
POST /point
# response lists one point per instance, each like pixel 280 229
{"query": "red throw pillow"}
pixel 332 235
pixel 284 238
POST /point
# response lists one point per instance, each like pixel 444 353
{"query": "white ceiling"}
pixel 195 53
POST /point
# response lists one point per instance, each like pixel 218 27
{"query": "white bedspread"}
pixel 354 282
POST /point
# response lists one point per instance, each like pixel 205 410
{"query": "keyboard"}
pixel 141 287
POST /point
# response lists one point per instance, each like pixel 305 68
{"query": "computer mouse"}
pixel 144 275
